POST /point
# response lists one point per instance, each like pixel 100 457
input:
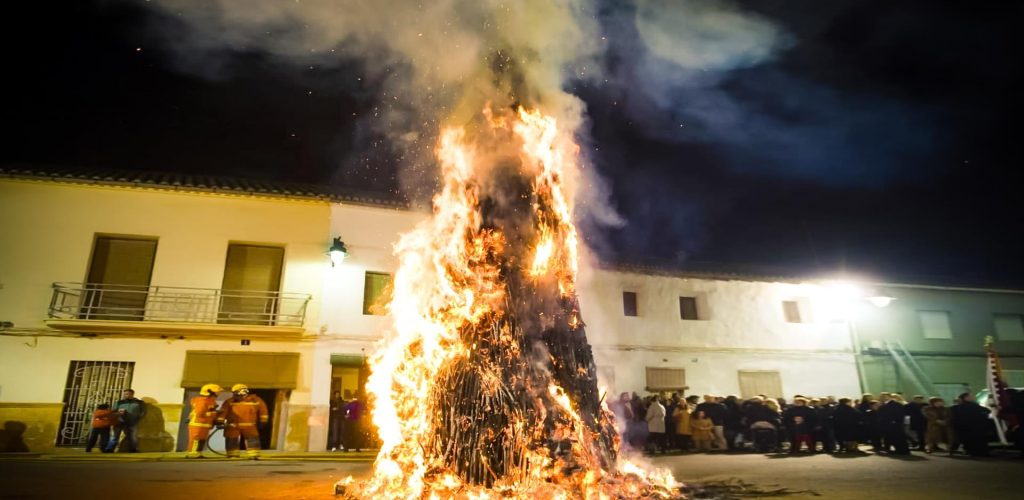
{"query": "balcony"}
pixel 93 309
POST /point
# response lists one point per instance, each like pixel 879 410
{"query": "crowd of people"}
pixel 887 423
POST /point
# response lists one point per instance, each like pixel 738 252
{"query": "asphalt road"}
pixel 817 476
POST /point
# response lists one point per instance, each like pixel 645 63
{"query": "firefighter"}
pixel 201 419
pixel 241 415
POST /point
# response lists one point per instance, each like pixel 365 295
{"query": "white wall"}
pixel 48 231
pixel 34 370
pixel 369 234
pixel 743 328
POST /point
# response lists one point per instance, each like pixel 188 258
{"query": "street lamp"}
pixel 337 252
pixel 848 294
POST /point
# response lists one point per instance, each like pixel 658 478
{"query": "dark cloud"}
pixel 804 135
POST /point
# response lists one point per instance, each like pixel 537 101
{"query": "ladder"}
pixel 911 367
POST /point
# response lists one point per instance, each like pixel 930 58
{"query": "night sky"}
pixel 877 138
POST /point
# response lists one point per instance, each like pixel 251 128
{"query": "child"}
pixel 801 434
pixel 702 431
pixel 102 419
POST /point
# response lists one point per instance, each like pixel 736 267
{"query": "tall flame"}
pixel 455 308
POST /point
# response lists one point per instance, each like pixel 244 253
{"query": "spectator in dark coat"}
pixel 918 424
pixel 733 418
pixel 825 432
pixel 971 424
pixel 849 426
pixel 873 427
pixel 890 422
pixel 670 422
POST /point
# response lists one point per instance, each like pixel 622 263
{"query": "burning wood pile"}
pixel 486 385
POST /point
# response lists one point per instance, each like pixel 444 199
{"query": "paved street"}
pixel 918 477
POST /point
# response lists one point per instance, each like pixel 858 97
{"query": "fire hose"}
pixel 209 441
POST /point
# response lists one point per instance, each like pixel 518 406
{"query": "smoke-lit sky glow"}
pixel 801 136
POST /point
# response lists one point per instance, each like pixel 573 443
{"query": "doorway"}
pixel 117 285
pixel 348 380
pixel 753 383
pixel 268 437
pixel 252 281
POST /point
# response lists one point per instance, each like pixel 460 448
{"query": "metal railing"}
pixel 102 301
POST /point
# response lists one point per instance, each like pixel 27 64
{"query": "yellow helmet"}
pixel 240 389
pixel 210 390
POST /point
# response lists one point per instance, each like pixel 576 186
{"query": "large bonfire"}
pixel 485 386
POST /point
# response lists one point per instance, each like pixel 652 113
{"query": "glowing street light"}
pixel 337 252
pixel 880 300
pixel 843 296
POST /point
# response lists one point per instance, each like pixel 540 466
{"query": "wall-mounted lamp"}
pixel 880 300
pixel 337 252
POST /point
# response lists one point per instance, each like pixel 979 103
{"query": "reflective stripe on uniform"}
pixel 199 424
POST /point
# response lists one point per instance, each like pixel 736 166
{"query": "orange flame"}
pixel 448 279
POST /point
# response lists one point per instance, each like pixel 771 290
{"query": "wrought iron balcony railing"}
pixel 101 301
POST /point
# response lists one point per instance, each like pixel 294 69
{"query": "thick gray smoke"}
pixel 439 62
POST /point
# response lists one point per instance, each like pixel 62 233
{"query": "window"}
pixel 1013 378
pixel 791 311
pixel 665 379
pixel 252 282
pixel 374 286
pixel 688 308
pixel 118 281
pixel 935 324
pixel 90 383
pixel 629 303
pixel 753 383
pixel 1009 326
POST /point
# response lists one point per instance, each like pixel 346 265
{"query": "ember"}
pixel 486 385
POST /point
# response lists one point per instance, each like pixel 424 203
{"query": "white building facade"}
pixel 655 332
pixel 165 284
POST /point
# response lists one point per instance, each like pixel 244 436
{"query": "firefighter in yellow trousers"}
pixel 201 419
pixel 241 415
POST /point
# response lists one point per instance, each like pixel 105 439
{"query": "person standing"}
pixel 130 411
pixel 825 432
pixel 671 440
pixel 971 424
pixel 681 417
pixel 918 423
pixel 848 424
pixel 703 430
pixel 102 418
pixel 353 437
pixel 201 419
pixel 715 411
pixel 800 421
pixel 890 421
pixel 732 423
pixel 336 420
pixel 656 425
pixel 241 416
pixel 938 428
